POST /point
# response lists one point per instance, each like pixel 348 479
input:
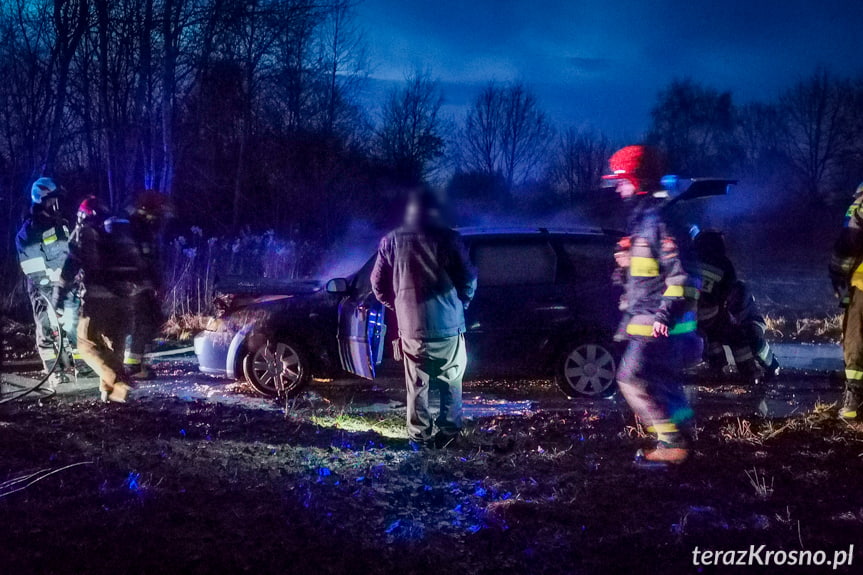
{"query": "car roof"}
pixel 527 230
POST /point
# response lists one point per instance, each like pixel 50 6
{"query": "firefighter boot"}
pixel 671 448
pixel 771 372
pixel 663 456
pixel 851 404
pixel 83 371
pixel 120 393
pixel 143 372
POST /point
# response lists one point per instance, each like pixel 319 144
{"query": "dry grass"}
pixel 184 327
pixel 810 329
pixel 741 430
pixel 759 482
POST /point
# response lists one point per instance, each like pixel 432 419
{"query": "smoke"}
pixel 356 246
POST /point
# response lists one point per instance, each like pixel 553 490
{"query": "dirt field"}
pixel 190 485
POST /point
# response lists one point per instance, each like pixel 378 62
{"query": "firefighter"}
pixel 422 272
pixel 42 243
pixel 147 217
pixel 846 274
pixel 103 251
pixel 728 315
pixel 661 293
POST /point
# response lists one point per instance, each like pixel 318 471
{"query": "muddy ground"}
pixel 199 477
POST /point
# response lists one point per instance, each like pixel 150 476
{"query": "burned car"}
pixel 545 305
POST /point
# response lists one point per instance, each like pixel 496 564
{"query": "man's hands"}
pixel 660 329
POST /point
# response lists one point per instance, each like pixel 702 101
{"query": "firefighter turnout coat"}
pixel 661 285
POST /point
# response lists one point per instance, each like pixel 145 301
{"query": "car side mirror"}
pixel 337 286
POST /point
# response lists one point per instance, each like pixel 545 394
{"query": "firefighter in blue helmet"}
pixel 42 243
pixel 846 273
pixel 661 293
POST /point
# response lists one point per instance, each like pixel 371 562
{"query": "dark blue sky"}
pixel 600 64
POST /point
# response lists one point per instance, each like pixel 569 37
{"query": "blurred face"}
pixel 625 189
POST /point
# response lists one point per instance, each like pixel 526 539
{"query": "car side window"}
pixel 514 262
pixel 585 256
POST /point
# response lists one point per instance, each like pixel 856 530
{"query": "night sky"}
pixel 600 63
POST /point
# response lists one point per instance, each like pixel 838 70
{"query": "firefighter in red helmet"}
pixel 106 256
pixel 661 293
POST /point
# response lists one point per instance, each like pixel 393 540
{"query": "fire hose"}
pixel 54 320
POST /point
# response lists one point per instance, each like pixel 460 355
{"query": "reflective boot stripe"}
pixel 133 359
pixel 766 354
pixel 853 375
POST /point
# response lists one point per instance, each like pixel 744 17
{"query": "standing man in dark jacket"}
pixel 43 246
pixel 661 293
pixel 423 273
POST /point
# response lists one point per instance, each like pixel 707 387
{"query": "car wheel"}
pixel 277 368
pixel 586 370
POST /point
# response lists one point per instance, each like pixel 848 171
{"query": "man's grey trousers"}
pixel 438 364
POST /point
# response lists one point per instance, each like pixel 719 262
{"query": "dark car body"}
pixel 539 293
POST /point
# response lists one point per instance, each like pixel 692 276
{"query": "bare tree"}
pixel 818 118
pixel 410 134
pixel 505 133
pixel 580 160
pixel 694 125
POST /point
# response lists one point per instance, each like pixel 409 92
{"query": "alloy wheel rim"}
pixel 277 366
pixel 589 369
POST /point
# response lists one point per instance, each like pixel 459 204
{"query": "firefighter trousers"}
pixel 102 330
pixel 747 341
pixel 49 327
pixel 147 322
pixel 651 379
pixel 439 364
pixel 852 340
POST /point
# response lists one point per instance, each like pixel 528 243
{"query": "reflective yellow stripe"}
pixel 643 267
pixel 34 266
pixel 50 239
pixel 857 277
pixel 848 414
pixel 853 374
pixel 663 428
pixel 76 355
pixel 681 291
pixel 132 361
pixel 678 329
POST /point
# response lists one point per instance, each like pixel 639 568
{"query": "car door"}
pixel 509 320
pixel 584 277
pixel 362 328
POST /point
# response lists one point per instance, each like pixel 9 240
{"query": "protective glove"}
pixel 840 287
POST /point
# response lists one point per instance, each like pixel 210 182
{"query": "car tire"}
pixel 586 369
pixel 277 368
